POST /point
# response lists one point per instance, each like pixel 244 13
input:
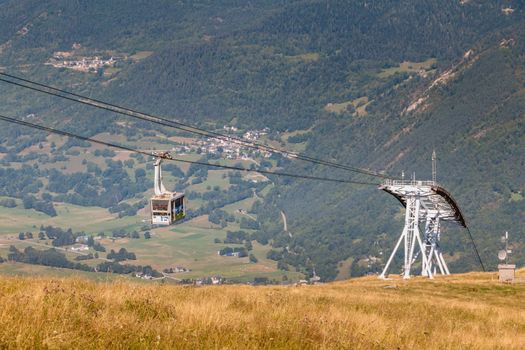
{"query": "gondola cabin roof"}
pixel 168 195
pixel 434 199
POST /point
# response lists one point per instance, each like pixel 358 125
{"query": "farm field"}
pixel 189 244
pixel 469 311
pixel 408 66
pixel 358 105
pixel 89 219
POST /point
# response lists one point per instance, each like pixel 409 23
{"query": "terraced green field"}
pixel 408 66
pixel 189 244
pixel 88 219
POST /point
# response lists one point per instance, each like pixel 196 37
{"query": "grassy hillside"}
pixel 464 311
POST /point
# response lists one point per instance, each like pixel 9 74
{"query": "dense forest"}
pixel 410 77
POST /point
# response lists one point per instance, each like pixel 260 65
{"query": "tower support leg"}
pixel 409 237
pixel 411 224
pixel 439 262
pixel 432 238
pixel 447 272
pixel 392 255
pixel 425 268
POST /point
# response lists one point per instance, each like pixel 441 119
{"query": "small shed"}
pixel 506 273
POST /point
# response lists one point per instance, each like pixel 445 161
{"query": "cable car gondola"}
pixel 166 207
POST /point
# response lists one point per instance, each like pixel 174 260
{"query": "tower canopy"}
pixel 434 199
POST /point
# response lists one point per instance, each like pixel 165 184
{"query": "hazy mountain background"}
pixel 375 84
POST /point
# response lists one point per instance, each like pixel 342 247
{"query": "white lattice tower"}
pixel 429 203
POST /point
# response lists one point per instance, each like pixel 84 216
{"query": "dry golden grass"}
pixel 470 311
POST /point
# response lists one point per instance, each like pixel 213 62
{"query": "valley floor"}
pixel 471 311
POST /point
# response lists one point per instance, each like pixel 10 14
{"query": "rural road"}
pixel 285 224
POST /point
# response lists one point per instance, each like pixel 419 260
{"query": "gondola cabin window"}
pixel 178 209
pixel 160 205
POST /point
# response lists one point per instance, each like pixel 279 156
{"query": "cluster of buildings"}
pixel 83 64
pixel 228 148
pixel 236 254
pixel 79 248
pixel 143 276
pixel 312 280
pixel 176 269
pixel 372 260
pixel 214 280
pixel 254 135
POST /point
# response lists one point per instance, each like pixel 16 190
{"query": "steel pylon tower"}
pixel 429 203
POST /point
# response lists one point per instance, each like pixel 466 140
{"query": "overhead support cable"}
pixel 129 149
pixel 476 249
pixel 64 94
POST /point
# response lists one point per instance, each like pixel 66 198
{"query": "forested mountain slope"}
pixel 265 63
pixel 285 67
pixel 472 114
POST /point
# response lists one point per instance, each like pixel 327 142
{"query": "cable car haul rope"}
pixel 53 91
pixel 170 158
pixel 168 207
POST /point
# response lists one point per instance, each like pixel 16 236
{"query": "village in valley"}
pixel 85 60
pixel 233 149
pixel 84 64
